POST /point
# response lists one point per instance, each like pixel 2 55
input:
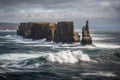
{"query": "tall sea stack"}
pixel 64 32
pixel 86 38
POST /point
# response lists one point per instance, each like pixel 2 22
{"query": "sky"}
pixel 99 12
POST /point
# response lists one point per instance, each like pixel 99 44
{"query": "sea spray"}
pixel 67 57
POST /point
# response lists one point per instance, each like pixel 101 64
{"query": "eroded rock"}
pixel 61 32
pixel 86 38
pixel 64 32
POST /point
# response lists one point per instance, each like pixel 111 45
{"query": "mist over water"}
pixel 41 60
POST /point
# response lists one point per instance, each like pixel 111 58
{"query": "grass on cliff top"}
pixel 42 22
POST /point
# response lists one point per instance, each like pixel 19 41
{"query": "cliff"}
pixel 37 30
pixel 61 32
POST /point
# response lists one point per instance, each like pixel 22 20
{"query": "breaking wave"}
pixel 67 57
pixel 60 57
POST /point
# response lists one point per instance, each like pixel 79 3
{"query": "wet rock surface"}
pixel 86 38
pixel 61 32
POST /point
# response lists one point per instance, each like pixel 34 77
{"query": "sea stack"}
pixel 37 30
pixel 64 32
pixel 86 38
pixel 61 32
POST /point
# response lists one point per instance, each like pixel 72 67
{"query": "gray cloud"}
pixel 36 10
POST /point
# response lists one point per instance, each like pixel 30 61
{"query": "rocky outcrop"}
pixel 37 30
pixel 76 37
pixel 86 38
pixel 64 32
pixel 61 32
pixel 21 29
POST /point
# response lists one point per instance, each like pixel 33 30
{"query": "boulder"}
pixel 86 38
pixel 64 32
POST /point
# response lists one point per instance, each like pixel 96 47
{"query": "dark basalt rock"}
pixel 22 28
pixel 64 32
pixel 36 30
pixel 86 38
pixel 61 32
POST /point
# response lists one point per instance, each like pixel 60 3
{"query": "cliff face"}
pixel 86 38
pixel 64 32
pixel 61 32
pixel 36 30
pixel 22 28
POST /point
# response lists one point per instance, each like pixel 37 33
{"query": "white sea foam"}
pixel 7 30
pixel 60 57
pixel 67 57
pixel 106 45
pixel 101 38
pixel 100 73
pixel 20 39
pixel 18 56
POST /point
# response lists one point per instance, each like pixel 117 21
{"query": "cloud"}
pixel 47 10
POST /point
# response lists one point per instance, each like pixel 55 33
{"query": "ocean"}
pixel 27 59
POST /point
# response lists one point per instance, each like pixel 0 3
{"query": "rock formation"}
pixel 64 32
pixel 21 29
pixel 86 38
pixel 37 30
pixel 61 32
pixel 76 37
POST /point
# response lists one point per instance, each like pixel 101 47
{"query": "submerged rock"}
pixel 86 38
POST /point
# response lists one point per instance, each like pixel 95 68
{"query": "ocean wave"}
pixel 60 57
pixel 43 42
pixel 100 73
pixel 20 39
pixel 67 57
pixel 113 57
pixel 106 45
pixel 101 38
pixel 18 56
pixel 7 30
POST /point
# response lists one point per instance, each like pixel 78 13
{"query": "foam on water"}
pixel 7 30
pixel 67 57
pixel 106 45
pixel 101 38
pixel 18 56
pixel 20 39
pixel 60 57
pixel 100 73
pixel 42 42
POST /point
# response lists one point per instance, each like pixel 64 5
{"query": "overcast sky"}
pixel 58 10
